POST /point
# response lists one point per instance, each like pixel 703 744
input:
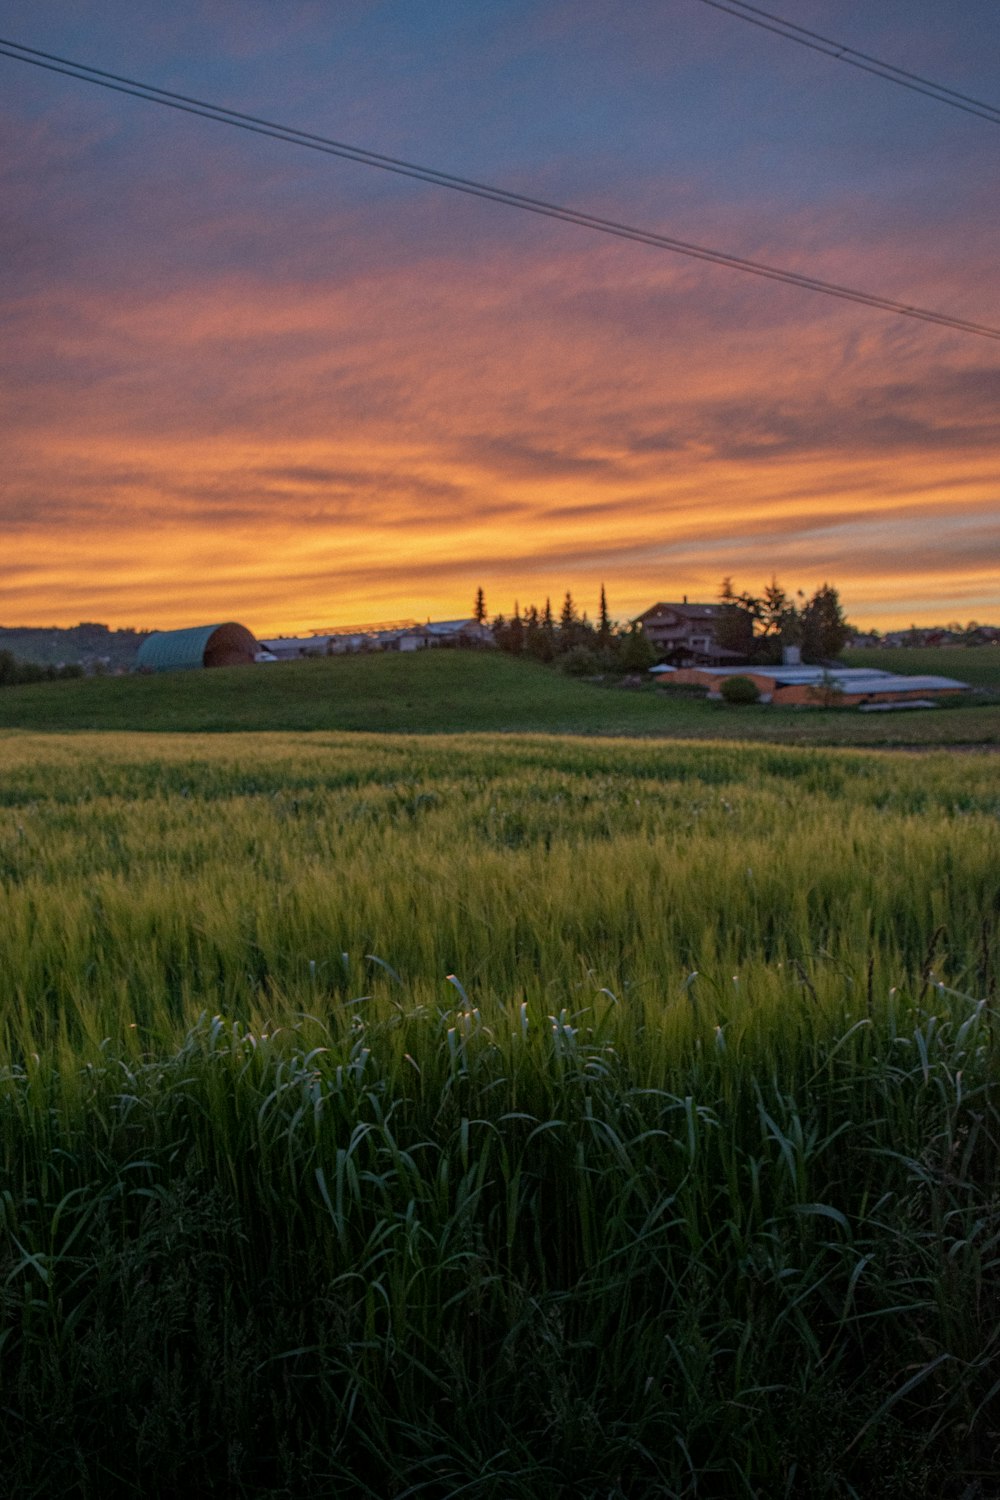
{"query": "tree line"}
pixel 760 626
pixel 757 627
pixel 571 641
pixel 14 673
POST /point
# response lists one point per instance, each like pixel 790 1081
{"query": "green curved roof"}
pixel 175 650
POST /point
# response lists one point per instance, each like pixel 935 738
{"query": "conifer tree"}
pixel 515 631
pixel 824 628
pixel 604 625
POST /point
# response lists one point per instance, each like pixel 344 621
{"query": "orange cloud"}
pixel 295 451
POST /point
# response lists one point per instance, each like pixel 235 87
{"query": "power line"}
pixel 291 136
pixel 863 60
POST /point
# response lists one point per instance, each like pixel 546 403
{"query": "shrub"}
pixel 14 673
pixel 740 690
pixel 637 653
pixel 579 661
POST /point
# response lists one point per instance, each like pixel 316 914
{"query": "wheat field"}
pixel 404 1116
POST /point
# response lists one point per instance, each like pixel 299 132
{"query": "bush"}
pixel 740 690
pixel 637 653
pixel 579 661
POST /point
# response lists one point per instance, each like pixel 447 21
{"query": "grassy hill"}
pixel 449 692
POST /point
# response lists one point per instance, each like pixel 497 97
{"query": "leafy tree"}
pixel 604 625
pixel 636 653
pixel 775 607
pixel 778 624
pixel 580 661
pixel 734 626
pixel 824 628
pixel 760 626
pixel 479 609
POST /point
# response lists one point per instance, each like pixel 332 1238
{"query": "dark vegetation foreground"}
pixel 519 1264
pixel 387 1116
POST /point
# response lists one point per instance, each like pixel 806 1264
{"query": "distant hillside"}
pixel 433 692
pixel 91 645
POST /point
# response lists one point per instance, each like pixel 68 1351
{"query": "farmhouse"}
pixel 684 634
pixel 228 645
pixel 818 686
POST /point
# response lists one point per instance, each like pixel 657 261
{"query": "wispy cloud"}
pixel 239 381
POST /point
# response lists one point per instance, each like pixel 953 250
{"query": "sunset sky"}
pixel 240 380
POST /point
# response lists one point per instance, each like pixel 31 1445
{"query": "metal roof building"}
pixel 797 684
pixel 290 647
pixel 228 645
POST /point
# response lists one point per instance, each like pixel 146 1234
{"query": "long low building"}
pixel 818 686
pixel 292 647
pixel 403 636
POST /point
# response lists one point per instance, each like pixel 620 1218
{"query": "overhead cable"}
pixel 292 136
pixel 842 53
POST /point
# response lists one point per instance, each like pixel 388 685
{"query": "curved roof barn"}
pixel 228 645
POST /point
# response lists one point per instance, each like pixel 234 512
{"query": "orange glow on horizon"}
pixel 242 380
pixel 297 456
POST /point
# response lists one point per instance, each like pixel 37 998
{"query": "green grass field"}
pixel 454 691
pixel 977 665
pixel 387 1115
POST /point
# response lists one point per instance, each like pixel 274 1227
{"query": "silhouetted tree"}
pixel 543 644
pixel 636 653
pixel 604 621
pixel 824 627
pixel 775 607
pixel 759 627
pixel 734 627
pixel 515 632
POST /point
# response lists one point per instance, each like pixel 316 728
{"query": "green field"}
pixel 447 692
pixel 497 1117
pixel 977 665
